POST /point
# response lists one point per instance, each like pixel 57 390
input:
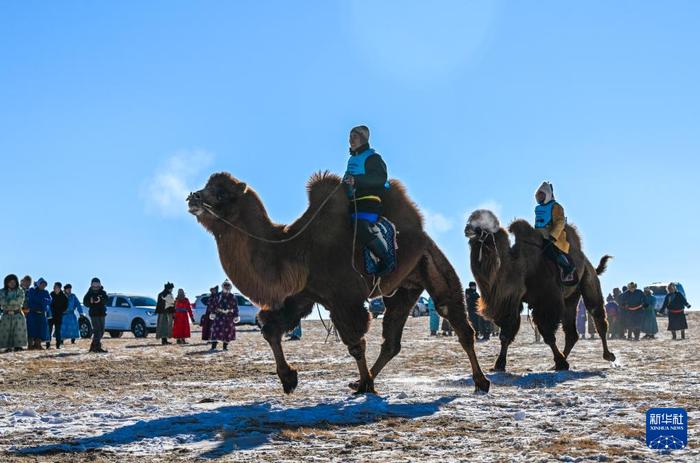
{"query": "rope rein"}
pixel 376 283
pixel 208 208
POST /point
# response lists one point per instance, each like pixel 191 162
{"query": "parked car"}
pixel 659 290
pixel 376 307
pixel 421 308
pixel 247 311
pixel 125 312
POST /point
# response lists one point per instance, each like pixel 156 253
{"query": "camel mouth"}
pixel 195 204
pixel 195 210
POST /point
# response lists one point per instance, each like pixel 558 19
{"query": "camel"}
pixel 508 276
pixel 286 269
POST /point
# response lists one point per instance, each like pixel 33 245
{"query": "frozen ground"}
pixel 180 403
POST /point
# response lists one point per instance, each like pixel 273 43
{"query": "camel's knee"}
pixel 391 348
pixel 358 350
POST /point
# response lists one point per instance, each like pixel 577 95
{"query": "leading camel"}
pixel 509 276
pixel 287 269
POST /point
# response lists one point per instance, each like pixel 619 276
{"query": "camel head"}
pixel 484 232
pixel 220 197
pixel 480 222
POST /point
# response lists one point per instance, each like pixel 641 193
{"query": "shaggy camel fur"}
pixel 509 276
pixel 286 279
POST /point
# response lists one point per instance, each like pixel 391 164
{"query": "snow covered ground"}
pixel 181 403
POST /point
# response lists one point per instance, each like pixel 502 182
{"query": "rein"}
pixel 376 284
pixel 209 209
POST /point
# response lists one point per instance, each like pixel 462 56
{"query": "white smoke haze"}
pixel 436 223
pixel 165 191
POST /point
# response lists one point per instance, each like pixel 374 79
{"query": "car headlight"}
pixel 150 313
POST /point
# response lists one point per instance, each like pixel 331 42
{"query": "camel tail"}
pixel 603 265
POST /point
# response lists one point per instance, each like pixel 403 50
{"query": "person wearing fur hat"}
pixel 96 301
pixel 225 317
pixel 39 304
pixel 13 326
pixel 165 308
pixel 366 182
pixel 551 222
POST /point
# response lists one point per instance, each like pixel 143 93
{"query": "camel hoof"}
pixel 609 356
pixel 561 366
pixel 289 381
pixel 498 369
pixel 355 385
pixel 482 385
pixel 364 388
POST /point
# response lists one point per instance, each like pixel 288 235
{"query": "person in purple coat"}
pixel 225 317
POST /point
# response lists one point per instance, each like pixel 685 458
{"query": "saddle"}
pixel 385 231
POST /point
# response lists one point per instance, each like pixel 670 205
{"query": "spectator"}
pixel 471 296
pixel 581 319
pixel 13 326
pixel 613 312
pixel 633 304
pixel 446 328
pixel 676 304
pixel 225 317
pixel 295 334
pixel 59 305
pixel 620 299
pixel 165 308
pixel 591 325
pixel 183 315
pixel 69 327
pixel 26 284
pixel 434 317
pixel 649 325
pixel 538 336
pixel 210 313
pixel 96 301
pixel 39 304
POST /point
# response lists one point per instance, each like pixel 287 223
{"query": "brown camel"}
pixel 315 265
pixel 509 276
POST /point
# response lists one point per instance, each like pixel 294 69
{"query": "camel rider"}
pixel 366 182
pixel 551 222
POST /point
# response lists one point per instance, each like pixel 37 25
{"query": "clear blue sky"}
pixel 111 111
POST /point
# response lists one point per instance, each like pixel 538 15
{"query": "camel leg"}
pixel 398 308
pixel 593 299
pixel 277 322
pixel 442 282
pixel 509 328
pixel 352 325
pixel 547 323
pixel 569 323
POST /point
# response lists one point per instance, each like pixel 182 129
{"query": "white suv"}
pixel 126 313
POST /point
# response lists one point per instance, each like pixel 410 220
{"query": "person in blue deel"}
pixel 366 183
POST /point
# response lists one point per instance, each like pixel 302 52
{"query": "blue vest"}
pixel 543 214
pixel 356 164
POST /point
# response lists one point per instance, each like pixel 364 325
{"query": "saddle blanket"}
pixel 387 231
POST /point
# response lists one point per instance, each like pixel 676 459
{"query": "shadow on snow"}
pixel 531 380
pixel 244 427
